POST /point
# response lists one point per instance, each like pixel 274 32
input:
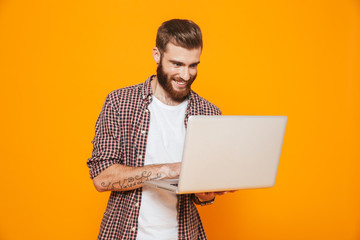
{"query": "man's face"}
pixel 177 70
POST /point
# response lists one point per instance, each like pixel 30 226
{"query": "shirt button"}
pixel 146 110
pixel 139 157
pixel 133 229
pixel 136 204
pixel 143 132
pixel 144 96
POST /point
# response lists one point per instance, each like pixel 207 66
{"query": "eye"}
pixel 194 65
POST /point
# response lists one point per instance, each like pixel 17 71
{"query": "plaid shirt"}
pixel 120 138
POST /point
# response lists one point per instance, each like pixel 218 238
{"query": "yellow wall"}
pixel 59 59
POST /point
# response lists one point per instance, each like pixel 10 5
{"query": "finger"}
pixel 205 196
pixel 220 193
pixel 204 193
pixel 200 195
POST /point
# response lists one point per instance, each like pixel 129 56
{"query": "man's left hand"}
pixel 207 196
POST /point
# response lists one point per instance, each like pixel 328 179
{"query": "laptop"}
pixel 224 153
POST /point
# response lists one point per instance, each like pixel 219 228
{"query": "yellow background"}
pixel 59 60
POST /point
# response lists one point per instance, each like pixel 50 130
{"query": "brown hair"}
pixel 181 32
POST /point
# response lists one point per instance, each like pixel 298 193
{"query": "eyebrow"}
pixel 181 63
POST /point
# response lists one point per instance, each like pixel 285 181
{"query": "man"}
pixel 140 135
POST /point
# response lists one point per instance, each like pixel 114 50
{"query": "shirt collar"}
pixel 146 91
pixel 191 97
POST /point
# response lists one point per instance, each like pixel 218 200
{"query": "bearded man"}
pixel 139 136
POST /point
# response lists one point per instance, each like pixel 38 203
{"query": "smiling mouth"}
pixel 180 83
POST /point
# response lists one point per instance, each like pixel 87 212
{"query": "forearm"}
pixel 123 178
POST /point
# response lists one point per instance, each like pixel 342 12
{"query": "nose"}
pixel 185 74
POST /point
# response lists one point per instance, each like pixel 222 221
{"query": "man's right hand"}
pixel 173 170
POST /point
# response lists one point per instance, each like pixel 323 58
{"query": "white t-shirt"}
pixel 158 211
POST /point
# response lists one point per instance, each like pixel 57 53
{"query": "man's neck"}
pixel 160 93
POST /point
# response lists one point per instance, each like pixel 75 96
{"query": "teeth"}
pixel 180 83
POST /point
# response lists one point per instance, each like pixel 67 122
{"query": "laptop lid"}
pixel 231 152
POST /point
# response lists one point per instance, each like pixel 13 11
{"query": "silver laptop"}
pixel 223 153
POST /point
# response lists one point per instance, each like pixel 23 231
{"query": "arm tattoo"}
pixel 130 182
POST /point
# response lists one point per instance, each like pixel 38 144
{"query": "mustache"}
pixel 179 79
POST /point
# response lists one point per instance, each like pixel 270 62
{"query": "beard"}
pixel 165 82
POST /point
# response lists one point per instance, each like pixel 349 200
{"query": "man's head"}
pixel 180 32
pixel 177 54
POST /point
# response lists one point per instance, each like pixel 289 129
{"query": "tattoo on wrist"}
pixel 130 182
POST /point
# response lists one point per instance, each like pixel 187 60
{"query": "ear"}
pixel 156 55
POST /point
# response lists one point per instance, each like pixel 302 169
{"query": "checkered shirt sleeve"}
pixel 107 142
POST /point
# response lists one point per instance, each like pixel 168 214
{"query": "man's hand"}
pixel 207 196
pixel 172 170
